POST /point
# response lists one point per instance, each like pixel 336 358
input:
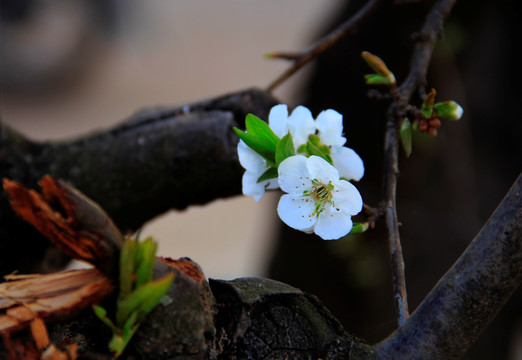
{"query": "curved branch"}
pixel 471 293
pixel 391 173
pixel 159 159
pixel 417 77
pixel 305 56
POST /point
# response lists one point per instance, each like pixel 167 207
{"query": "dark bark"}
pixel 472 292
pixel 248 318
pixel 180 327
pixel 266 319
pixel 159 159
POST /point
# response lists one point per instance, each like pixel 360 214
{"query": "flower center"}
pixel 321 194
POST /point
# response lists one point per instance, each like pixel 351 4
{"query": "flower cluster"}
pixel 307 159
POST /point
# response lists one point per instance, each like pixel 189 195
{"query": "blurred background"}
pixel 68 68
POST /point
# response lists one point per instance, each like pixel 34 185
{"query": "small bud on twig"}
pixel 449 110
pixel 383 75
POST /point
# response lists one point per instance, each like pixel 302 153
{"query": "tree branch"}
pixel 303 57
pixel 423 51
pixel 471 293
pixel 159 159
pixel 391 172
pixel 416 78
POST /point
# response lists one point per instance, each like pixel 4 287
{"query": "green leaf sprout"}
pixel 138 295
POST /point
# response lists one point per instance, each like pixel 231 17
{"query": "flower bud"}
pixel 427 104
pixel 384 76
pixel 434 123
pixel 449 110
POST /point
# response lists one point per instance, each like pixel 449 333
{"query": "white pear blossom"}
pixel 317 199
pixel 328 126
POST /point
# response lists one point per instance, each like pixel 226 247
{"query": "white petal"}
pixel 277 120
pixel 347 198
pixel 458 112
pixel 333 224
pixel 251 187
pixel 293 175
pixel 249 159
pixel 321 170
pixel 330 126
pixel 272 184
pixel 301 124
pixel 296 212
pixel 349 164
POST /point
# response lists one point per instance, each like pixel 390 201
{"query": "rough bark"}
pixel 257 318
pixel 247 318
pixel 470 294
pixel 266 319
pixel 159 159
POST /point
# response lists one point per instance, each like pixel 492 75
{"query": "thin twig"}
pixel 416 79
pixel 305 56
pixel 457 310
pixel 391 172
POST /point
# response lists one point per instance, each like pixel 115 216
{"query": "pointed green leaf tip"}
pixel 259 137
pixel 142 300
pixel 284 148
pixel 259 128
pixel 405 132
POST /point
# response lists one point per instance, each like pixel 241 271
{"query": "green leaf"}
pixel 377 79
pixel 284 149
pixel 359 228
pixel 143 299
pixel 259 137
pixel 405 132
pixel 130 326
pixel 325 149
pixel 314 139
pixel 259 128
pixel 147 252
pixel 263 147
pixel 302 149
pixel 427 104
pixel 101 313
pixel 271 173
pixel 128 259
pixel 314 150
pixel 328 158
